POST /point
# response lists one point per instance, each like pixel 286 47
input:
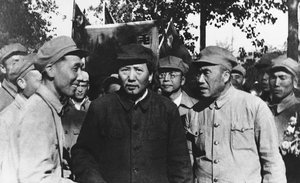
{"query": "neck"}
pixel 225 89
pixel 50 85
pixel 173 95
pixel 78 100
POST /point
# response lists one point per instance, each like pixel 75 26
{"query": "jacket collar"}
pixel 10 88
pixel 128 104
pixel 286 103
pixel 220 101
pixel 20 101
pixel 187 101
pixel 47 95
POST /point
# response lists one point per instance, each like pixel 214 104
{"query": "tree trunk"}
pixel 203 18
pixel 293 41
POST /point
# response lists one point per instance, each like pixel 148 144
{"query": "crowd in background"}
pixel 167 122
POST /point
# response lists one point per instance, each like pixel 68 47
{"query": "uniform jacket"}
pixel 9 121
pixel 283 111
pixel 41 139
pixel 125 142
pixel 8 92
pixel 236 140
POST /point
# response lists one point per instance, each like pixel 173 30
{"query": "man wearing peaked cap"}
pixel 28 80
pixel 140 136
pixel 171 74
pixel 285 106
pixel 228 125
pixel 238 74
pixel 41 150
pixel 11 57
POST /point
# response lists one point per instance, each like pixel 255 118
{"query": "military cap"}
pixel 239 69
pixel 217 56
pixel 10 50
pixel 287 63
pixel 24 66
pixel 55 49
pixel 172 62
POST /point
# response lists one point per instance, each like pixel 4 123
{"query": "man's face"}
pixel 170 80
pixel 81 90
pixel 66 72
pixel 33 80
pixel 11 65
pixel 281 84
pixel 135 78
pixel 265 86
pixel 212 80
pixel 237 80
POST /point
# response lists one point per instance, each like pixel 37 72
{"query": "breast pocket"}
pixel 242 137
pixel 199 146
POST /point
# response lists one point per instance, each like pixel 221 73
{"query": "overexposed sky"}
pixel 274 35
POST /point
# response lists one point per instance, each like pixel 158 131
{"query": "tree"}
pixel 293 41
pixel 23 21
pixel 216 12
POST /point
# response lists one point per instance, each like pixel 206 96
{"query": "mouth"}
pixel 131 87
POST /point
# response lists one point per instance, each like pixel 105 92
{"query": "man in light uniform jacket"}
pixel 235 133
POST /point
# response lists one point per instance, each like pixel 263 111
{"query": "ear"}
pixel 50 70
pixel 150 78
pixel 2 69
pixel 226 76
pixel 21 83
pixel 244 81
pixel 295 82
pixel 182 80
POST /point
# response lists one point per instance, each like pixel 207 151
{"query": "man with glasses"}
pixel 171 74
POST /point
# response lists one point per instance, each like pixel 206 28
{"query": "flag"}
pixel 171 44
pixel 108 19
pixel 78 26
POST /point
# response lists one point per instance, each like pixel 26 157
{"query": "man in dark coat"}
pixel 133 135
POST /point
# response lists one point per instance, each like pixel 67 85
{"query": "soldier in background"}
pixel 171 74
pixel 238 74
pixel 10 57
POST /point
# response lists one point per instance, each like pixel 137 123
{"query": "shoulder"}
pixel 159 100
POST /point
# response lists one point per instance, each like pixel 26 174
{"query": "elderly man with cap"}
pixel 171 74
pixel 234 131
pixel 285 107
pixel 134 134
pixel 10 56
pixel 238 74
pixel 41 135
pixel 27 80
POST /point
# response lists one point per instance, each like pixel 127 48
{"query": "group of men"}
pixel 134 134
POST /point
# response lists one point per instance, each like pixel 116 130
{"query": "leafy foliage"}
pixel 22 21
pixel 245 14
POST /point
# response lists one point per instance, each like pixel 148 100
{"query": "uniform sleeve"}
pixel 36 150
pixel 85 167
pixel 179 164
pixel 273 169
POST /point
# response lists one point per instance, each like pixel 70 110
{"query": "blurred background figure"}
pixel 74 114
pixel 111 84
pixel 238 74
pixel 10 57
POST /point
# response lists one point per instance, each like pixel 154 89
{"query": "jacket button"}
pixel 216 142
pixel 216 161
pixel 243 129
pixel 135 170
pixel 216 125
pixel 216 180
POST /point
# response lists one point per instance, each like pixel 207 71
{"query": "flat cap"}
pixel 239 69
pixel 10 50
pixel 217 56
pixel 55 49
pixel 172 62
pixel 24 66
pixel 134 54
pixel 287 63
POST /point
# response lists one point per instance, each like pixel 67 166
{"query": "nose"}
pixel 79 75
pixel 200 78
pixel 131 75
pixel 277 82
